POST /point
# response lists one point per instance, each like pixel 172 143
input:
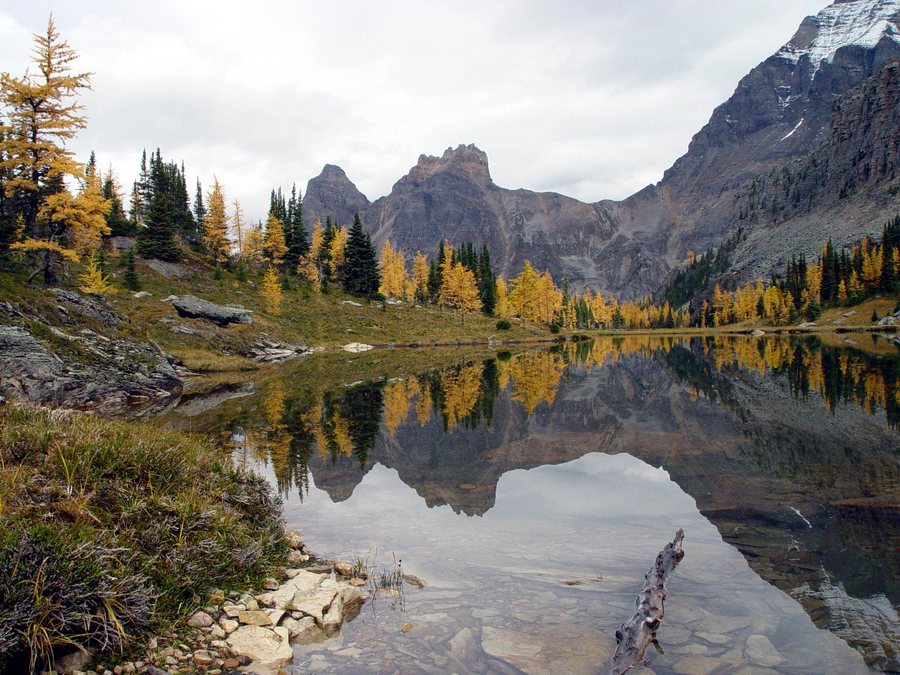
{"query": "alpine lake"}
pixel 531 490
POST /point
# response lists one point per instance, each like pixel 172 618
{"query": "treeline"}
pixel 695 277
pixel 836 278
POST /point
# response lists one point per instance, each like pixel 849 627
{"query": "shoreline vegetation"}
pixel 112 530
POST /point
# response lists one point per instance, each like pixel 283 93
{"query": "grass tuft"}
pixel 111 530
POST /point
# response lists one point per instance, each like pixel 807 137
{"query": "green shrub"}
pixel 504 324
pixel 813 310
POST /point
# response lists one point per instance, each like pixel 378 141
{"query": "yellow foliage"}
pixel 502 308
pixel 215 226
pixel 33 245
pixel 535 377
pixel 534 297
pixel 461 387
pixel 237 226
pixel 253 253
pixel 93 281
pixel 306 268
pixel 271 291
pixel 459 289
pixel 337 246
pixel 273 243
pixel 317 240
pixel 393 272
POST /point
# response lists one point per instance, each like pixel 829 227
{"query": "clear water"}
pixel 531 493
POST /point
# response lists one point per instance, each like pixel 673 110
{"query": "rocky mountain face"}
pixel 331 193
pixel 780 112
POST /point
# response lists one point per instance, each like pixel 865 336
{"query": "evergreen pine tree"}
pixel 159 239
pixel 132 283
pixel 487 283
pixel 118 222
pixel 360 265
pixel 295 232
pixel 890 241
pixel 199 211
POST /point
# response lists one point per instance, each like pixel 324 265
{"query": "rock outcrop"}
pixel 113 376
pixel 197 308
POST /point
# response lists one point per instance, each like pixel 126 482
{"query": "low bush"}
pixel 504 324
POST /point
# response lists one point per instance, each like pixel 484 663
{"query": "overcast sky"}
pixel 590 98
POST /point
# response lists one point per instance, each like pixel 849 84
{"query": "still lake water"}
pixel 531 493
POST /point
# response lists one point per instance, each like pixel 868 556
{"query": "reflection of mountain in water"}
pixel 788 448
pixel 807 493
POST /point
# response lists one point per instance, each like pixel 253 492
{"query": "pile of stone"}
pixel 254 632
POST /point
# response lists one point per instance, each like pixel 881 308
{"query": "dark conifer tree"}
pixel 890 240
pixel 132 283
pixel 118 222
pixel 487 283
pixel 830 281
pixel 435 275
pixel 360 265
pixel 199 210
pixel 294 231
pixel 159 239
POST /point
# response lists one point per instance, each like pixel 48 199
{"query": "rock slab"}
pixel 197 308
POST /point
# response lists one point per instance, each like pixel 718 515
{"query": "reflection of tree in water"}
pixel 346 423
pixel 840 376
pixel 535 377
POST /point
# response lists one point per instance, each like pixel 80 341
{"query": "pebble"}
pixel 200 620
pixel 202 657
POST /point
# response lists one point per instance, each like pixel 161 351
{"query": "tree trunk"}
pixel 638 633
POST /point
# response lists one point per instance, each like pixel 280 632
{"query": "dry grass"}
pixel 111 529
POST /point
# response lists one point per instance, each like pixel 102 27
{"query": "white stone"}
pixel 356 347
pixel 270 649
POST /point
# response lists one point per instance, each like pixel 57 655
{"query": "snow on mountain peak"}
pixel 846 22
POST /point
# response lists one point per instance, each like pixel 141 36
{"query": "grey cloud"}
pixel 594 99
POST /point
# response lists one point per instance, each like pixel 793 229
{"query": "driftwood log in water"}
pixel 637 634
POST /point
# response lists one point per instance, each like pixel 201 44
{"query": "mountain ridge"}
pixel 779 112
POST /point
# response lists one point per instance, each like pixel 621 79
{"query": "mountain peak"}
pixel 846 22
pixel 331 193
pixel 467 159
pixel 332 171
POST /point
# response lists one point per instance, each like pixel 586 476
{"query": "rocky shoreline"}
pixel 250 632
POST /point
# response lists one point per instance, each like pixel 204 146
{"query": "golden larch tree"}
pixel 502 308
pixel 215 225
pixel 459 290
pixel 392 272
pixel 253 253
pixel 40 118
pixel 237 227
pixel 93 281
pixel 273 242
pixel 271 291
pixel 336 250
